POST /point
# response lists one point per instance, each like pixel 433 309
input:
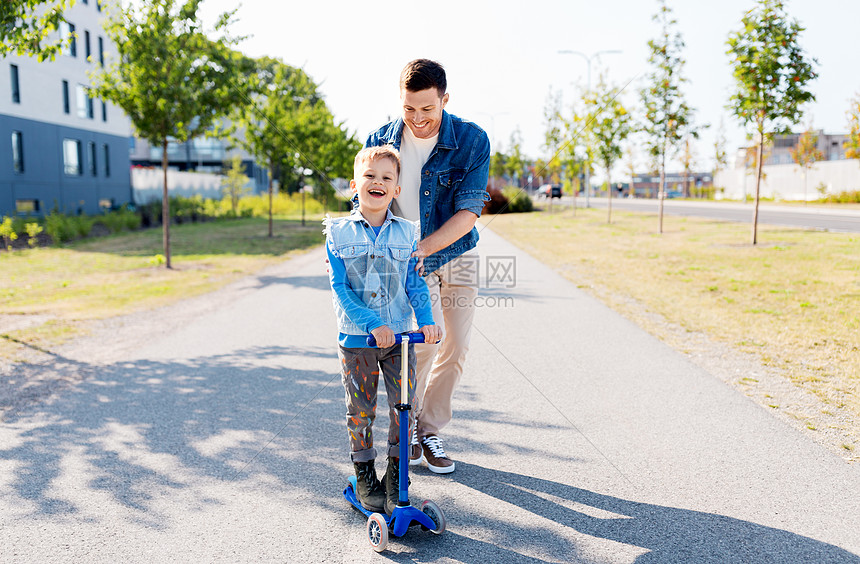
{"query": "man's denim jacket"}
pixel 377 273
pixel 454 178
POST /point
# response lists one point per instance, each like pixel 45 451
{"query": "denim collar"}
pixel 356 216
pixel 447 139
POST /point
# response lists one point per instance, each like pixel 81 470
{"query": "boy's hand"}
pixel 432 333
pixel 384 336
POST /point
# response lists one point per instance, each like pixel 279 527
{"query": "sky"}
pixel 501 57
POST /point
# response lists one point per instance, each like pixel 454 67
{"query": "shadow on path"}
pixel 669 534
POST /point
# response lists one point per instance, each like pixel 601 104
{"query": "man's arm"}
pixel 452 230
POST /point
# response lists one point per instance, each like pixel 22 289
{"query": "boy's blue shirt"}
pixel 454 178
pixel 350 290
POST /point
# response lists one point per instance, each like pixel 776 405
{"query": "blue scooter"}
pixel 430 517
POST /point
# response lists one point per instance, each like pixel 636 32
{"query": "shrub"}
pixel 59 227
pixel 120 220
pixel 496 203
pixel 518 200
pixel 33 229
pixel 7 232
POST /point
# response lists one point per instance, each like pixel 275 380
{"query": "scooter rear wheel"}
pixel 430 509
pixel 377 532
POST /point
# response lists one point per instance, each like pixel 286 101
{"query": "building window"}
pixel 98 5
pixel 101 51
pixel 66 108
pixel 91 149
pixel 67 33
pixel 85 103
pixel 27 206
pixel 104 110
pixel 106 155
pixel 86 1
pixel 87 49
pixel 16 87
pixel 17 152
pixel 72 157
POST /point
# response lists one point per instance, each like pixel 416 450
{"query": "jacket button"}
pixel 373 295
pixel 427 192
pixel 371 256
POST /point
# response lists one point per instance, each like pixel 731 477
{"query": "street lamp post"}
pixel 588 87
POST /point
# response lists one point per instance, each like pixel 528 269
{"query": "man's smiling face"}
pixel 422 111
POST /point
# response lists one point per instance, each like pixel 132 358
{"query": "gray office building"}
pixel 60 148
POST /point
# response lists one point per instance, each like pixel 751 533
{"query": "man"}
pixel 445 163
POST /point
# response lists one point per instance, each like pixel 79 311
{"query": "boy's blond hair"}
pixel 370 154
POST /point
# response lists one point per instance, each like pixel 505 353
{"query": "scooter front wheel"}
pixel 430 509
pixel 377 532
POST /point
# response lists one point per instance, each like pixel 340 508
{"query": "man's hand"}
pixel 420 253
pixel 384 336
pixel 432 333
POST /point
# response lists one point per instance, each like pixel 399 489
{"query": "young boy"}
pixel 375 290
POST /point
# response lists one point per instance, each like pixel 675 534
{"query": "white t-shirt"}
pixel 414 153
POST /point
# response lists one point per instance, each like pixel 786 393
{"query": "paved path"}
pixel 578 438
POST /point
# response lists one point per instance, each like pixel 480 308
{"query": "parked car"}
pixel 550 191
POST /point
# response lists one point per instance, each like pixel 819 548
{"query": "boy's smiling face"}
pixel 375 183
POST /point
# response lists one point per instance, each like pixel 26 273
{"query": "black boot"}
pixel 392 484
pixel 369 491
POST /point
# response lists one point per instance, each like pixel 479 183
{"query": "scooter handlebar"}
pixel 414 337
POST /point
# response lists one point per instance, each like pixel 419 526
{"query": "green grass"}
pixel 101 277
pixel 793 300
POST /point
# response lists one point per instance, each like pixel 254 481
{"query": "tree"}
pixel 852 145
pixel 806 153
pixel 26 27
pixel 288 126
pixel 554 133
pixel 515 161
pixel 609 125
pixel 721 160
pixel 498 166
pixel 234 182
pixel 630 167
pixel 771 73
pixel 688 159
pixel 172 80
pixel 668 118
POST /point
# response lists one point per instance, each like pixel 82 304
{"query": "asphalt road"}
pixel 828 219
pixel 214 432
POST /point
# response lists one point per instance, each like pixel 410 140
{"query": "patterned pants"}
pixel 360 370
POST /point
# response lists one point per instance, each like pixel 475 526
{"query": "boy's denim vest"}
pixel 454 178
pixel 376 269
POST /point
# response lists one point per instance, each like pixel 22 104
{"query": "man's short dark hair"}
pixel 422 74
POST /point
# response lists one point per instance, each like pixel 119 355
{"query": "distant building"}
pixel 202 154
pixel 647 185
pixel 832 147
pixel 59 148
pixel 783 179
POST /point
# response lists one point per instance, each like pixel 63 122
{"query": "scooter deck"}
pixel 398 522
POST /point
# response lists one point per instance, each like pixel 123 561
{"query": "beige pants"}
pixel 440 366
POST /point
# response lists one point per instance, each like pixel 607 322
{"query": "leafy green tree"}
pixel 554 134
pixel 852 145
pixel 26 27
pixel 771 74
pixel 630 166
pixel 806 153
pixel 498 166
pixel 169 77
pixel 287 125
pixel 721 159
pixel 515 162
pixel 234 183
pixel 609 126
pixel 667 116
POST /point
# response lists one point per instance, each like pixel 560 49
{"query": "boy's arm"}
pixel 355 309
